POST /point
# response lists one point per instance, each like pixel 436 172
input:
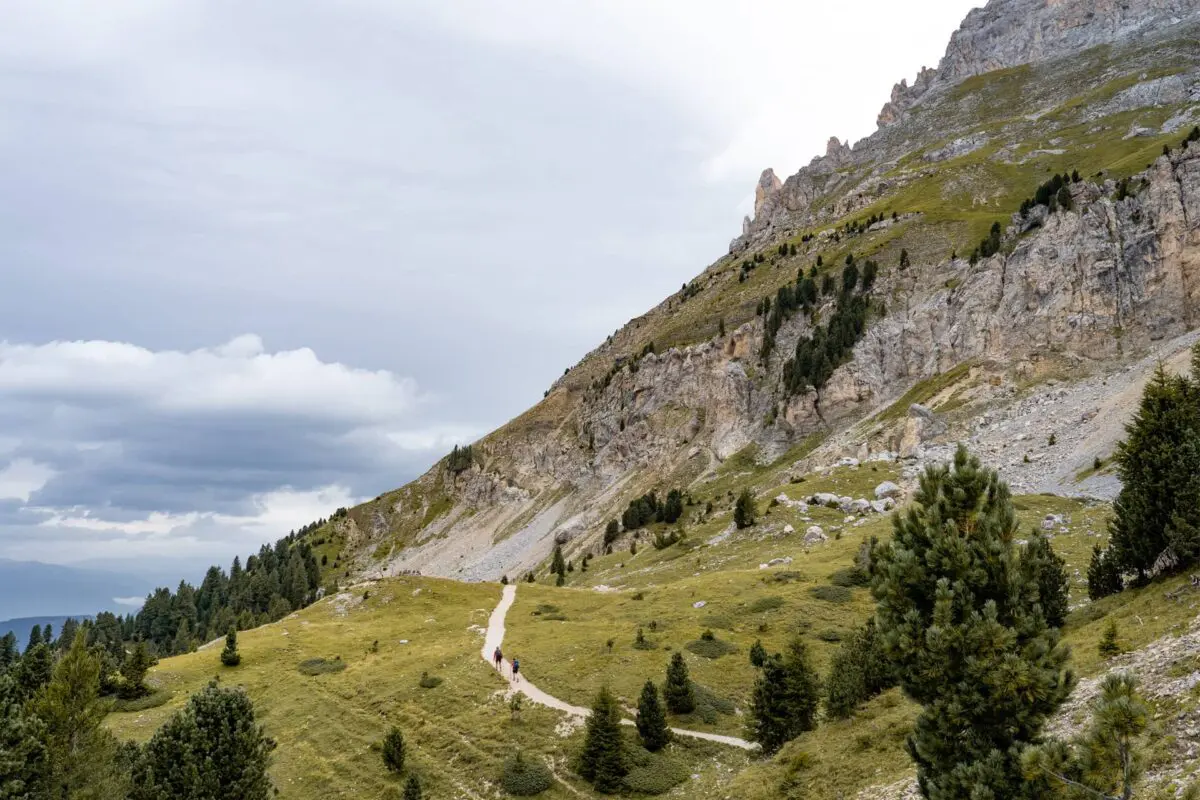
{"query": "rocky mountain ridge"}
pixel 1097 282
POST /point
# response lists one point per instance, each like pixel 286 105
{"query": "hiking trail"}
pixel 494 637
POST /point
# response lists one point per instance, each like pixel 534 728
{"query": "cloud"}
pixel 22 477
pixel 135 602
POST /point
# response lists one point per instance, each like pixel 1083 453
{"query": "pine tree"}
pixel 35 638
pixel 744 510
pixel 393 750
pixel 786 695
pixel 412 789
pixel 133 672
pixel 558 564
pixel 1109 645
pixel 1047 570
pixel 1157 513
pixel 611 531
pixel 858 672
pixel 721 327
pixel 602 761
pixel 23 767
pixel 1108 760
pixel 677 691
pixel 35 669
pixel 213 748
pixel 230 656
pixel 1103 575
pixel 8 652
pixel 964 629
pixel 80 751
pixel 758 653
pixel 652 719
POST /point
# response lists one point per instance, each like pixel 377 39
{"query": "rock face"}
pixel 768 185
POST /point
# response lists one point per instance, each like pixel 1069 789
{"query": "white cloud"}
pixel 238 376
pixel 776 77
pixel 22 477
pixel 134 602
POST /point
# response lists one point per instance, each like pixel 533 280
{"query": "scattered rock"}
pixel 889 490
pixel 814 535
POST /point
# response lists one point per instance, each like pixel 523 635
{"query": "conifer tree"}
pixel 1103 575
pixel 602 761
pixel 1047 570
pixel 23 768
pixel 652 719
pixel 744 510
pixel 35 638
pixel 230 656
pixel 1109 645
pixel 786 695
pixel 80 751
pixel 133 672
pixel 213 748
pixel 394 750
pixel 677 691
pixel 558 564
pixel 758 653
pixel 1157 513
pixel 8 652
pixel 412 789
pixel 858 672
pixel 35 669
pixel 1107 761
pixel 963 626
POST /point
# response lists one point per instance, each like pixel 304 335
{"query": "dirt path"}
pixel 494 637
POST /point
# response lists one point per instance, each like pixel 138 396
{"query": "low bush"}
pixel 153 700
pixel 831 594
pixel 710 648
pixel 653 773
pixel 429 681
pixel 321 666
pixel 525 777
pixel 850 577
pixel 764 604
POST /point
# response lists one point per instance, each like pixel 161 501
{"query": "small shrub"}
pixel 393 750
pixel 711 648
pixel 642 643
pixel 525 777
pixel 639 596
pixel 321 666
pixel 831 594
pixel 653 773
pixel 764 604
pixel 152 700
pixel 1110 645
pixel 708 636
pixel 429 681
pixel 830 635
pixel 850 577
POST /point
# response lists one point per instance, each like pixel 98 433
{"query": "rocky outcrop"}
pixel 767 186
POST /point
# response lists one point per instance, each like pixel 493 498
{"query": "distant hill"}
pixel 22 626
pixel 33 589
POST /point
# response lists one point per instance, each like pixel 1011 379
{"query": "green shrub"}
pixel 321 666
pixel 653 773
pixel 830 635
pixel 764 604
pixel 850 577
pixel 153 700
pixel 429 681
pixel 642 643
pixel 393 750
pixel 524 777
pixel 710 648
pixel 831 594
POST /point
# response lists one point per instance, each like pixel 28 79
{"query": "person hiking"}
pixel 516 669
pixel 498 658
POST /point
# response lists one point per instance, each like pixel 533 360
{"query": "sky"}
pixel 258 262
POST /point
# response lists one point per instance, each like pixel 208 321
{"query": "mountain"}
pixel 972 305
pixel 31 588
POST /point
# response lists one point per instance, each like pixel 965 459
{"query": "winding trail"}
pixel 494 637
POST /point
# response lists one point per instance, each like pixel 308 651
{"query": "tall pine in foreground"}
pixel 963 625
pixel 652 719
pixel 677 691
pixel 602 761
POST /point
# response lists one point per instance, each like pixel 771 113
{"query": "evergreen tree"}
pixel 211 750
pixel 652 718
pixel 744 510
pixel 8 652
pixel 858 672
pixel 133 671
pixel 721 327
pixel 602 761
pixel 964 629
pixel 80 751
pixel 1157 513
pixel 35 638
pixel 1108 760
pixel 1109 645
pixel 412 789
pixel 786 695
pixel 23 767
pixel 558 564
pixel 611 531
pixel 230 656
pixel 1103 575
pixel 35 669
pixel 758 653
pixel 67 636
pixel 394 750
pixel 677 691
pixel 1047 570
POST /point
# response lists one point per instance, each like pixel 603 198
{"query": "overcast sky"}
pixel 259 260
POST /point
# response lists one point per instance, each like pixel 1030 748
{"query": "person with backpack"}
pixel 516 670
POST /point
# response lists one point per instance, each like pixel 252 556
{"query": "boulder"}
pixel 889 490
pixel 883 506
pixel 860 506
pixel 814 535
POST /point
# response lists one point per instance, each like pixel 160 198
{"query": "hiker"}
pixel 498 658
pixel 516 669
